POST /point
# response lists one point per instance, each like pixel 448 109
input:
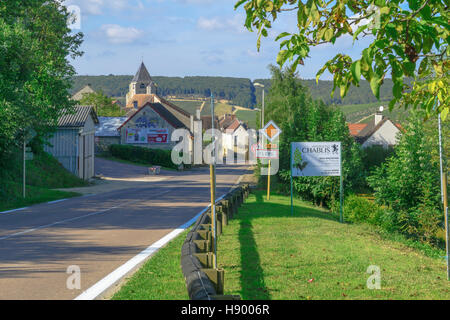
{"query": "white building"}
pixel 382 131
pixel 73 142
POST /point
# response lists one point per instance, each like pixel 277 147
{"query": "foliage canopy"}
pixel 409 39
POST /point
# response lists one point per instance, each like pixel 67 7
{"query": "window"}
pixel 142 85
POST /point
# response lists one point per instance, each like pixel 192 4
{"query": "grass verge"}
pixel 34 195
pixel 160 278
pixel 268 254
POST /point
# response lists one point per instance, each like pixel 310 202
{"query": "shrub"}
pixel 143 155
pixel 358 209
pixel 375 155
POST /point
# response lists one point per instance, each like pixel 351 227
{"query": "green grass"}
pixel 160 278
pixel 189 106
pixel 43 174
pixel 269 254
pixel 12 196
pixel 248 116
pixel 219 109
pixel 357 112
pixel 45 171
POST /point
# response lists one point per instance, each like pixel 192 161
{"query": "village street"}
pixel 99 232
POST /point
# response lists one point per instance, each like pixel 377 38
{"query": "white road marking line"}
pixel 56 201
pixel 9 211
pixel 115 276
pixel 75 218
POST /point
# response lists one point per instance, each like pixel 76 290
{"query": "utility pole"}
pixel 444 196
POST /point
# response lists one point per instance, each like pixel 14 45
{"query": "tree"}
pixel 35 73
pixel 301 118
pixel 102 104
pixel 410 40
pixel 409 181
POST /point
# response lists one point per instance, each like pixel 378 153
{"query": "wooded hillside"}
pixel 240 91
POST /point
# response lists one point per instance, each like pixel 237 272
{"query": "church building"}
pixel 151 119
pixel 140 88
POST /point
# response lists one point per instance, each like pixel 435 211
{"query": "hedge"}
pixel 148 156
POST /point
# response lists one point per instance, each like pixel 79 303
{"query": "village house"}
pixel 382 131
pixel 72 144
pixel 106 132
pixel 231 129
pixel 83 91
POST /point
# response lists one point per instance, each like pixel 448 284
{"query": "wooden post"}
pixel 268 183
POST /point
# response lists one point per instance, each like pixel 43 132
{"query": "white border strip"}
pixel 115 276
pixel 56 201
pixel 9 211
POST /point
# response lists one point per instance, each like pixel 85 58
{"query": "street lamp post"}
pixel 262 126
pixel 257 84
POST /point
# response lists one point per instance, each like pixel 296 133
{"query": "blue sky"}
pixel 183 38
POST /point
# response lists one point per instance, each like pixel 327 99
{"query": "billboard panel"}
pixel 316 159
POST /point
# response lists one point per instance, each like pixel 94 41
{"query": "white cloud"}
pixel 235 24
pixel 117 34
pixel 97 7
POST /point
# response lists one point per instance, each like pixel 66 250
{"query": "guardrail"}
pixel 202 281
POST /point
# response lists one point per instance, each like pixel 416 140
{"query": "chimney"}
pixel 198 114
pixel 379 115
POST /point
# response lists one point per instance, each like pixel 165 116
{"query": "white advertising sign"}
pixel 145 135
pixel 136 136
pixel 316 159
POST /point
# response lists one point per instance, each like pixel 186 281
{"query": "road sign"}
pixel 267 154
pixel 29 135
pixel 29 156
pixel 271 130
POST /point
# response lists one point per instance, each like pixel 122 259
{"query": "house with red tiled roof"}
pixel 382 131
pixel 234 136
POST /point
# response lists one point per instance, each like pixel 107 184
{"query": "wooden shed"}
pixel 73 142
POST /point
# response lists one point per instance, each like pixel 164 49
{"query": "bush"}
pixel 143 155
pixel 422 223
pixel 358 209
pixel 375 155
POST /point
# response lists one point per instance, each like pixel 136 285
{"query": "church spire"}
pixel 142 75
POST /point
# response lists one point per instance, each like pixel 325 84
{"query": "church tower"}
pixel 142 83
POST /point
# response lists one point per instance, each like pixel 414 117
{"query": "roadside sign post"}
pixel 271 131
pixel 268 184
pixel 317 159
pixel 212 171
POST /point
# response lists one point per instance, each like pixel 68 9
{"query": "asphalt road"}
pixel 99 232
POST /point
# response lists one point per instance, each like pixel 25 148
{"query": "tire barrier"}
pixel 202 281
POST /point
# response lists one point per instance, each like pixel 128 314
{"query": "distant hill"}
pixel 240 91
